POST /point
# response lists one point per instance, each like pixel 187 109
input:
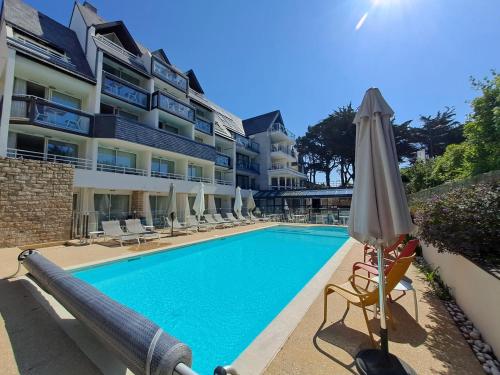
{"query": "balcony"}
pixel 170 176
pixel 248 167
pixel 36 49
pixel 112 126
pixel 203 126
pixel 280 132
pixel 37 111
pixel 123 90
pixel 200 179
pixel 222 160
pixel 279 150
pixel 246 143
pixel 78 163
pixel 119 52
pixel 169 75
pixel 173 106
pixel 223 182
pixel 285 169
pixel 114 168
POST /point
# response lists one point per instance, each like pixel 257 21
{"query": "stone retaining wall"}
pixel 35 202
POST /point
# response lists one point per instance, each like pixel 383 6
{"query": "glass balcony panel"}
pixel 246 143
pixel 123 91
pixel 169 75
pixel 203 126
pixel 174 106
pixel 54 115
pixel 223 160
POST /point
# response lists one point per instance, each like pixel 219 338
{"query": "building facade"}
pixel 128 120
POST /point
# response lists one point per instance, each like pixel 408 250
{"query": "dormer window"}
pixel 43 50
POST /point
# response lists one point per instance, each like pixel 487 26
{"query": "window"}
pixel 118 72
pixel 35 89
pixel 111 206
pixel 195 171
pixel 30 143
pixel 65 100
pixel 242 181
pixel 62 148
pixel 162 166
pixel 158 205
pixel 243 161
pixel 219 175
pixel 116 157
pixel 168 128
pixel 127 115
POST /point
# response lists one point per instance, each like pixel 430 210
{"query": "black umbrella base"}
pixel 375 361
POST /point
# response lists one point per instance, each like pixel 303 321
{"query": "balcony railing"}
pixel 120 51
pixel 169 75
pixel 104 167
pixel 277 147
pixel 41 51
pixel 174 106
pixel 280 128
pixel 252 167
pixel 42 112
pixel 170 176
pixel 246 143
pixel 223 182
pixel 208 180
pixel 123 90
pixel 222 160
pixel 203 126
pixel 79 163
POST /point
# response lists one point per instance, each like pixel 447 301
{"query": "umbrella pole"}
pixel 171 224
pixel 384 341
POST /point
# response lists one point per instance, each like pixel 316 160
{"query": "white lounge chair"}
pixel 135 226
pixel 244 219
pixel 231 218
pixel 113 230
pixel 193 222
pixel 255 218
pixel 210 220
pixel 181 227
pixel 220 219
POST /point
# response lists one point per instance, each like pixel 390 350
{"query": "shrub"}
pixel 463 221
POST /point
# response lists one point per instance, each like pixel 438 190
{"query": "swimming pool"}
pixel 218 295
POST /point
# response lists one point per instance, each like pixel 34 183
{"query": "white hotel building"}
pixel 127 119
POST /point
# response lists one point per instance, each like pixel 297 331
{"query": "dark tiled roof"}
pixel 261 123
pixel 30 21
pixel 193 81
pixel 309 193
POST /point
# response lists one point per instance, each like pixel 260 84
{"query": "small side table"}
pixel 95 235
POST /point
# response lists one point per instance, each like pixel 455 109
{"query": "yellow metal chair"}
pixel 367 295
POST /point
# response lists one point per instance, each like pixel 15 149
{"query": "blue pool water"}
pixel 217 296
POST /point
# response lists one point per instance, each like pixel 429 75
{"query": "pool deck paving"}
pixel 32 342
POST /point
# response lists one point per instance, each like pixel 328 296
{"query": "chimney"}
pixel 87 5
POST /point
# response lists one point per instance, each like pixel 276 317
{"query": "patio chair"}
pixel 405 285
pixel 135 226
pixel 113 230
pixel 220 219
pixel 364 297
pixel 231 218
pixel 210 219
pixel 370 251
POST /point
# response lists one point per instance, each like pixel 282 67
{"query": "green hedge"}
pixel 463 221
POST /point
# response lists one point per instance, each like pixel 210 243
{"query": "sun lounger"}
pixel 220 219
pixel 135 226
pixel 232 219
pixel 193 222
pixel 255 218
pixel 181 227
pixel 210 220
pixel 244 219
pixel 113 230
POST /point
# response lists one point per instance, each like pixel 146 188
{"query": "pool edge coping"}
pixel 259 354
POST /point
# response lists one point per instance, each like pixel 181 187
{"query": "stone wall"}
pixel 35 202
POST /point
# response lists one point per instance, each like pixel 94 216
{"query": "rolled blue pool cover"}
pixel 138 342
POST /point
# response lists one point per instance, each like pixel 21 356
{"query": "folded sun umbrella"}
pixel 238 203
pixel 172 207
pixel 199 203
pixel 250 202
pixel 379 210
